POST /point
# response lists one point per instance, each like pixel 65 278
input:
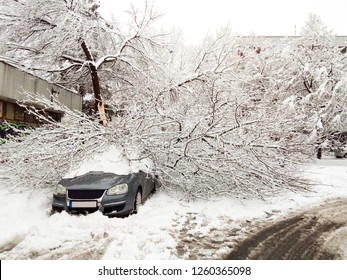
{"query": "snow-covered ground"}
pixel 28 231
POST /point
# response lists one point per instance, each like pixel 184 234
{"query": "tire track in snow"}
pixel 305 236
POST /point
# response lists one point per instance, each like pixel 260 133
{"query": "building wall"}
pixel 13 82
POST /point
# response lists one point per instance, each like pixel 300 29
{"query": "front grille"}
pixel 85 194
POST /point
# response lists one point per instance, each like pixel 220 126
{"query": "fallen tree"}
pixel 195 156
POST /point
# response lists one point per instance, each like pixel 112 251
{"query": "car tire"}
pixel 55 210
pixel 156 184
pixel 154 189
pixel 138 201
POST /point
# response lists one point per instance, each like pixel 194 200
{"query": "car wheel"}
pixel 56 210
pixel 138 202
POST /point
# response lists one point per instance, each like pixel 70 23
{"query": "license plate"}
pixel 83 204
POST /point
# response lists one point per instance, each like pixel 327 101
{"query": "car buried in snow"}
pixel 113 195
pixel 341 151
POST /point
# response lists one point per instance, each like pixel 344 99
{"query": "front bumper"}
pixel 112 206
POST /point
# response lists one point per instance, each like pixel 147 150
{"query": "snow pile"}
pixel 20 212
pixel 112 160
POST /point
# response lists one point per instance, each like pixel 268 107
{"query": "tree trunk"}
pixel 99 104
pixel 319 153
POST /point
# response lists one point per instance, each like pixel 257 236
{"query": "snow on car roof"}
pixel 112 160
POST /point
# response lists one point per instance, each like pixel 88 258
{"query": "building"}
pixel 258 42
pixel 13 82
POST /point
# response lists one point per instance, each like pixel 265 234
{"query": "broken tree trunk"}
pixel 99 104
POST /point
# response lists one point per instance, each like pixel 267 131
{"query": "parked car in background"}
pixel 341 151
pixel 335 142
pixel 113 195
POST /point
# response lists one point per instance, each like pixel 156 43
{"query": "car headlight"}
pixel 59 190
pixel 118 189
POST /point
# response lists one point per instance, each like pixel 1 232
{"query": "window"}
pixel 9 111
pixel 55 116
pixel 19 113
pixel 29 118
pixel 13 112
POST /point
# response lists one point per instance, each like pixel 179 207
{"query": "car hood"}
pixel 95 180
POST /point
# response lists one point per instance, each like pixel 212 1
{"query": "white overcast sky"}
pixel 262 17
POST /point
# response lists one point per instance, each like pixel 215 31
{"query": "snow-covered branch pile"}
pixel 217 144
pixel 196 156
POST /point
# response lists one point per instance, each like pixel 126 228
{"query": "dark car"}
pixel 341 151
pixel 114 195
